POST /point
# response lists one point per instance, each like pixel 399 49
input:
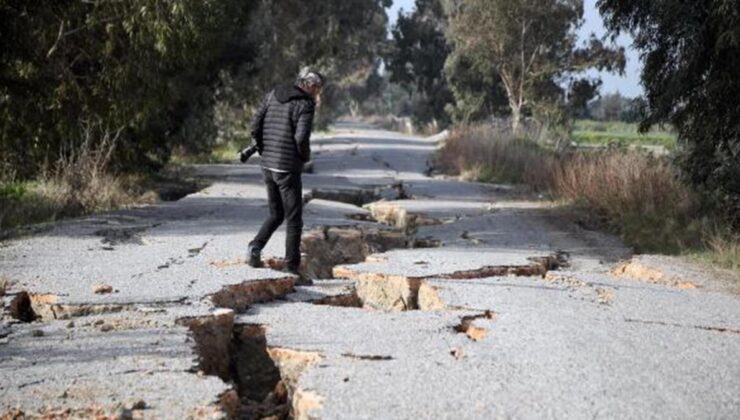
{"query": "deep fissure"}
pixel 238 354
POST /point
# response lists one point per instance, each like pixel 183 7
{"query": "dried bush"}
pixel 483 153
pixel 640 196
pixel 81 180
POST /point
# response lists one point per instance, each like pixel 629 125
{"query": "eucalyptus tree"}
pixel 531 46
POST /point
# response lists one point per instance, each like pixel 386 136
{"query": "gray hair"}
pixel 308 77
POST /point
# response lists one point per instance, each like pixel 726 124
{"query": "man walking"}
pixel 281 129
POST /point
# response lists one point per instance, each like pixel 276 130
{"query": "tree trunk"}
pixel 516 119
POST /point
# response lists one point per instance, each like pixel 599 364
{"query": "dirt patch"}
pixel 467 327
pixel 636 269
pixel 393 214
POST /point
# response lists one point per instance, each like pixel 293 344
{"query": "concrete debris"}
pixel 392 214
pixel 652 271
pixel 240 296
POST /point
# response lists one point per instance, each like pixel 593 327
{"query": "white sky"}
pixel 628 85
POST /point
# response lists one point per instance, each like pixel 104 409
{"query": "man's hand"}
pixel 245 154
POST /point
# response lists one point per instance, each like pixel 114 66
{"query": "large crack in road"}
pixel 420 282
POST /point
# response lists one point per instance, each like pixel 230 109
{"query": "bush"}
pixel 638 195
pixel 616 182
pixel 80 182
pixel 482 153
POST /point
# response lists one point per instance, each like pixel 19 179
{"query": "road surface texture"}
pixel 433 299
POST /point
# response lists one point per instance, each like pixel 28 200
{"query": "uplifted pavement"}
pixel 448 299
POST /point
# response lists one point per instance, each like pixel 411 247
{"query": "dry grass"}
pixel 481 153
pixel 615 182
pixel 81 181
pixel 4 285
pixel 78 183
pixel 639 195
pixel 634 193
pixel 723 251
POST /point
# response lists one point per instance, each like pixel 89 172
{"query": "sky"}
pixel 628 85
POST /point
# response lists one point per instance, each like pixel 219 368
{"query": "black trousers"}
pixel 285 200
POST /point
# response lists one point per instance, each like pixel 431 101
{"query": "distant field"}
pixel 619 133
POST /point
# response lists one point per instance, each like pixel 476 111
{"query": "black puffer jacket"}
pixel 282 128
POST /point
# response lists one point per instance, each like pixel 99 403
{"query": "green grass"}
pixel 727 260
pixel 722 250
pixel 221 153
pixel 13 190
pixel 24 203
pixel 620 134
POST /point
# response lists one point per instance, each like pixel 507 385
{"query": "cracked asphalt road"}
pixel 599 335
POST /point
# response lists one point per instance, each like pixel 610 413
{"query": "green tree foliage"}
pixel 580 93
pixel 478 93
pixel 692 80
pixel 68 65
pixel 341 38
pixel 531 46
pixel 164 73
pixel 417 60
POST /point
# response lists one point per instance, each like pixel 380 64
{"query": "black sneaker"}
pixel 301 280
pixel 254 257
